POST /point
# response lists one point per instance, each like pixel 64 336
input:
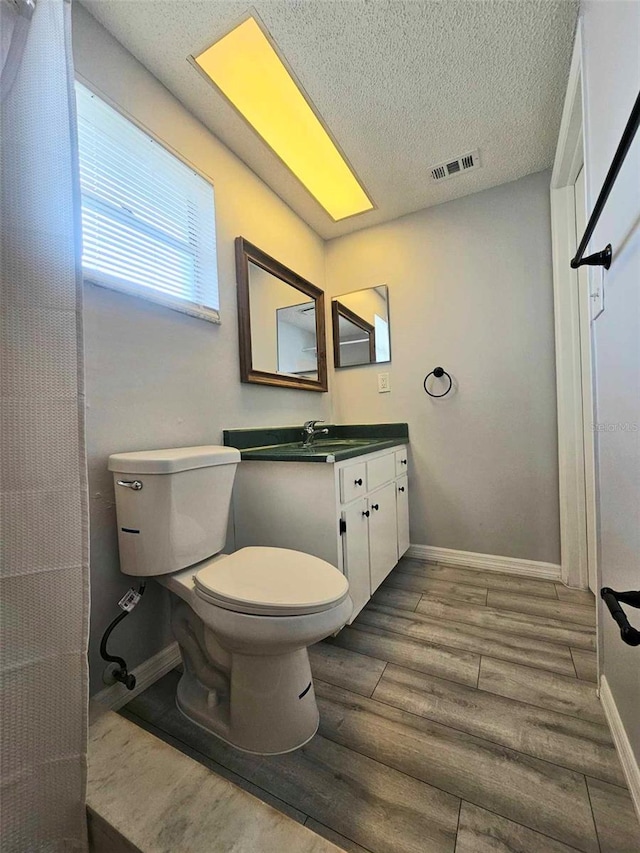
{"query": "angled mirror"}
pixel 281 323
pixel 361 327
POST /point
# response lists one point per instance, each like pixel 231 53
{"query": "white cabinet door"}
pixel 402 508
pixel 401 462
pixel 355 551
pixel 383 534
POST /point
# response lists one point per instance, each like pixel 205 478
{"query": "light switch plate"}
pixel 383 383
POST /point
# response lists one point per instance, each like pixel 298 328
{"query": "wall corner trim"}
pixel 149 671
pixel 488 562
pixel 629 762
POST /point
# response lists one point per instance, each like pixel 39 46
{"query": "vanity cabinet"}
pixel 353 514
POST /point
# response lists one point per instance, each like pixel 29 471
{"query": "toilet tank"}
pixel 172 506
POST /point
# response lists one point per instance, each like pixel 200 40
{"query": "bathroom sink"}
pixel 325 446
pixel 329 446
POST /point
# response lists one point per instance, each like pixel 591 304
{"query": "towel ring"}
pixel 438 372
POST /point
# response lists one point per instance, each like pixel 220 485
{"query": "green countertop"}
pixel 274 444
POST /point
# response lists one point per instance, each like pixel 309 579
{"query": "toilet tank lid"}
pixel 172 460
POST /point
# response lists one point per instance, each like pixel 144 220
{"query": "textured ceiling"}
pixel 402 86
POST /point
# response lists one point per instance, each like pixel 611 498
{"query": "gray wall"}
pixel 611 80
pixel 470 289
pixel 157 378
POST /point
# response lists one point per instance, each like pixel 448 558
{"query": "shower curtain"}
pixel 43 482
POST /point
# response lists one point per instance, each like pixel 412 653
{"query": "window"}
pixel 148 220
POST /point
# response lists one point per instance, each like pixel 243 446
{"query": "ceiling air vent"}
pixel 455 167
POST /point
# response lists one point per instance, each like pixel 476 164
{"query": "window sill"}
pixel 211 315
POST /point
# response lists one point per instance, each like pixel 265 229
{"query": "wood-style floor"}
pixel 457 714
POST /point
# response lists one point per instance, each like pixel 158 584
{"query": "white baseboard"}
pixel 117 695
pixel 488 562
pixel 625 753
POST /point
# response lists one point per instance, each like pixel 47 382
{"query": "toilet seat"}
pixel 271 582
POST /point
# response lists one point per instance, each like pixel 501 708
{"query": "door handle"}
pixel 630 635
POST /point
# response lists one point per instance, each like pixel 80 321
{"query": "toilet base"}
pixel 269 709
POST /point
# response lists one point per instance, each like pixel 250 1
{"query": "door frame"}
pixel 572 459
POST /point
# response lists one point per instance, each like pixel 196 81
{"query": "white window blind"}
pixel 148 220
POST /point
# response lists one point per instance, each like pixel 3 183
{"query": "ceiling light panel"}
pixel 244 66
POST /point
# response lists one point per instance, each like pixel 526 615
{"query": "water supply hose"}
pixel 127 603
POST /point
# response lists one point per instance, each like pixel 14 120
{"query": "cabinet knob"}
pixel 401 488
pixel 375 506
pixel 358 482
pixel 366 513
pixel 403 461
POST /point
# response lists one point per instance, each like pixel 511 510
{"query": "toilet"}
pixel 243 621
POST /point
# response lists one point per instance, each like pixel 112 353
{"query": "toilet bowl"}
pixel 243 621
pixel 244 646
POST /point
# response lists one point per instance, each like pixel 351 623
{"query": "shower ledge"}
pixel 144 796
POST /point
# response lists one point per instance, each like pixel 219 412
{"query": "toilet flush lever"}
pixel 136 485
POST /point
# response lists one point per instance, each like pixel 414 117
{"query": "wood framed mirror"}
pixel 360 323
pixel 280 322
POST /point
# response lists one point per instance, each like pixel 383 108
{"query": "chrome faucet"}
pixel 309 432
